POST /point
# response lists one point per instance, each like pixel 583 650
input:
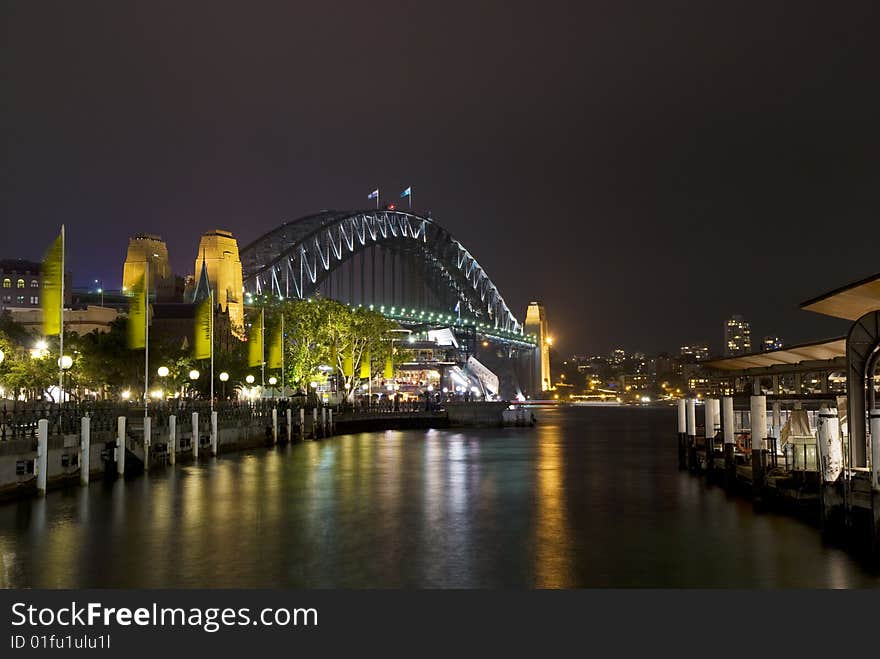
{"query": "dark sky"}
pixel 644 168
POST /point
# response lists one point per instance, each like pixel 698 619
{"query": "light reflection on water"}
pixel 588 498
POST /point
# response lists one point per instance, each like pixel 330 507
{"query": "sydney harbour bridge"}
pixel 409 268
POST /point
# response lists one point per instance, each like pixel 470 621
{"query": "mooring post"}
pixel 758 421
pixel 85 442
pixel 215 436
pixel 710 436
pixel 729 443
pixel 691 432
pixel 330 421
pixel 172 438
pixel 831 460
pixel 42 455
pixel 302 423
pixel 289 429
pixel 315 423
pixel 274 425
pixel 323 422
pixel 120 446
pixel 195 435
pixel 148 436
pixel 682 434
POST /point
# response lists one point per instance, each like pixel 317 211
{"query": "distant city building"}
pixel 737 336
pixel 218 256
pixel 697 352
pixel 618 356
pixel 21 285
pixel 769 343
pixel 536 323
pixel 145 247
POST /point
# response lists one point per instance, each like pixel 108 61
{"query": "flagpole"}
pixel 212 349
pixel 282 352
pixel 147 339
pixel 263 347
pixel 410 197
pixel 61 328
pixel 377 198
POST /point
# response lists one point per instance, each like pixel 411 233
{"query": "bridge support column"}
pixel 120 446
pixel 195 435
pixel 148 437
pixel 172 439
pixel 215 439
pixel 758 420
pixel 691 433
pixel 85 441
pixel 729 443
pixel 682 434
pixel 289 430
pixel 42 455
pixel 274 425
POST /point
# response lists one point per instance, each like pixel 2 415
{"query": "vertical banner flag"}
pixel 374 194
pixel 389 368
pixel 406 193
pixel 274 354
pixel 202 338
pixel 334 356
pixel 348 362
pixel 53 267
pixel 255 342
pixel 137 316
pixel 365 365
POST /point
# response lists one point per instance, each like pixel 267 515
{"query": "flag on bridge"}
pixel 407 193
pixel 374 194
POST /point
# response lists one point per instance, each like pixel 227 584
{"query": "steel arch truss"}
pixel 291 261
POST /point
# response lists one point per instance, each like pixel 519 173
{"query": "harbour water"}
pixel 589 497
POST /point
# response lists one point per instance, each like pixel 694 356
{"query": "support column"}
pixel 195 435
pixel 274 425
pixel 709 432
pixel 289 429
pixel 315 423
pixel 85 445
pixel 323 422
pixel 682 434
pixel 172 438
pixel 330 421
pixel 215 439
pixel 874 427
pixel 148 437
pixel 758 420
pixel 42 455
pixel 691 432
pixel 120 446
pixel 729 443
pixel 302 423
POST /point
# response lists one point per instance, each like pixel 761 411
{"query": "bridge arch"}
pixel 300 258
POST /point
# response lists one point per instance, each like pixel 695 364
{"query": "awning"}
pixel 808 352
pixel 850 302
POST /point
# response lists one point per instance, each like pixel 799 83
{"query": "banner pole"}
pixel 61 327
pixel 212 349
pixel 147 338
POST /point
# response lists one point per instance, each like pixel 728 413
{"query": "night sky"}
pixel 643 168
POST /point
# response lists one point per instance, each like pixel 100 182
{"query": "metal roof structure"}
pixel 850 302
pixel 789 356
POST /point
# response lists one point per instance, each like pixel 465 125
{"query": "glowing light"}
pixel 249 379
pixel 65 362
pixel 157 394
pixel 162 371
pixel 194 374
pixel 273 380
pixel 224 376
pixel 314 385
pixel 126 394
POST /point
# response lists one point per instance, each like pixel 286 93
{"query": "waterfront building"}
pixel 21 285
pixel 696 352
pixel 737 336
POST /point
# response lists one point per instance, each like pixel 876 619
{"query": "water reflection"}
pixel 587 498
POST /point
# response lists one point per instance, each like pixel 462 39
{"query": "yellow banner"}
pixel 365 365
pixel 348 363
pixel 137 316
pixel 53 272
pixel 202 330
pixel 255 342
pixel 274 351
pixel 389 368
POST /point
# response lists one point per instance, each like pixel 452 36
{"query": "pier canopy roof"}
pixel 850 302
pixel 790 356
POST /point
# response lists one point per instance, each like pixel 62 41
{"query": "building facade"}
pixel 21 285
pixel 218 254
pixel 144 248
pixel 737 336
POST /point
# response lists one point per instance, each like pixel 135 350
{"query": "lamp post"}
pixel 224 376
pixel 65 362
pixel 194 375
pixel 100 284
pixel 273 381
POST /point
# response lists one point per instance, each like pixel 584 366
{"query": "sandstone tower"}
pixel 141 248
pixel 218 252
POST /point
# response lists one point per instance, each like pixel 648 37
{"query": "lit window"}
pixel 35 283
pixel 20 299
pixel 35 299
pixel 7 283
pixel 20 283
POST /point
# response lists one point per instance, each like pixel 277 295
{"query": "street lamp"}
pixel 249 379
pixel 272 382
pixel 194 375
pixel 162 371
pixel 224 376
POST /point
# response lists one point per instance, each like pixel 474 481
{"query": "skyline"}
pixel 609 167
